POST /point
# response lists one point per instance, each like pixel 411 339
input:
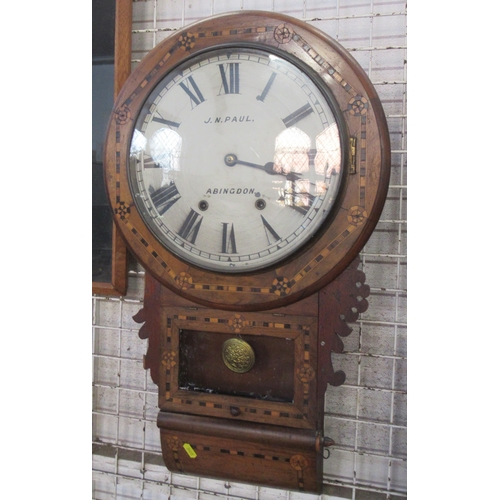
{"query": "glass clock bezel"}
pixel 331 101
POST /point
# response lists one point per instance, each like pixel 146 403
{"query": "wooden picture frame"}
pixel 122 66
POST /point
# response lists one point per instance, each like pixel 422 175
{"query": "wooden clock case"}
pixel 263 426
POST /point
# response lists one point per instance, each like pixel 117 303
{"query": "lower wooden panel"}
pixel 242 451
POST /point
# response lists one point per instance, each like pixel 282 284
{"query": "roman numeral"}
pixel 195 99
pixel 191 226
pixel 269 230
pixel 164 197
pixel 228 239
pixel 169 123
pixel 298 115
pixel 233 85
pixel 262 96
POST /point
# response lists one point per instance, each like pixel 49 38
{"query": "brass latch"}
pixel 352 155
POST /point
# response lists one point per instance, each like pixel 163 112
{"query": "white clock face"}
pixel 235 160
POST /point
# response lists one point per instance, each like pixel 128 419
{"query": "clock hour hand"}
pixel 231 160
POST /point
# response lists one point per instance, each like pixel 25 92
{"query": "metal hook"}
pixel 327 442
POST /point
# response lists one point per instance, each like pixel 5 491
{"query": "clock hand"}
pixel 231 160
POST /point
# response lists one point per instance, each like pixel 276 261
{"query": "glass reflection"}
pixel 306 169
pixel 138 144
pixel 165 149
pixel 293 155
pixel 291 151
pixel 327 159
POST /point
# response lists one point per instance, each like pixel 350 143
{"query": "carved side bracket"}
pixel 340 303
pixel 150 316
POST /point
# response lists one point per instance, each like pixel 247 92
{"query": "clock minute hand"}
pixel 232 160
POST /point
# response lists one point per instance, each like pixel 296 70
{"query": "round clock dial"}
pixel 236 159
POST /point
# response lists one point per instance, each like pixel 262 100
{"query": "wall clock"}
pixel 247 163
